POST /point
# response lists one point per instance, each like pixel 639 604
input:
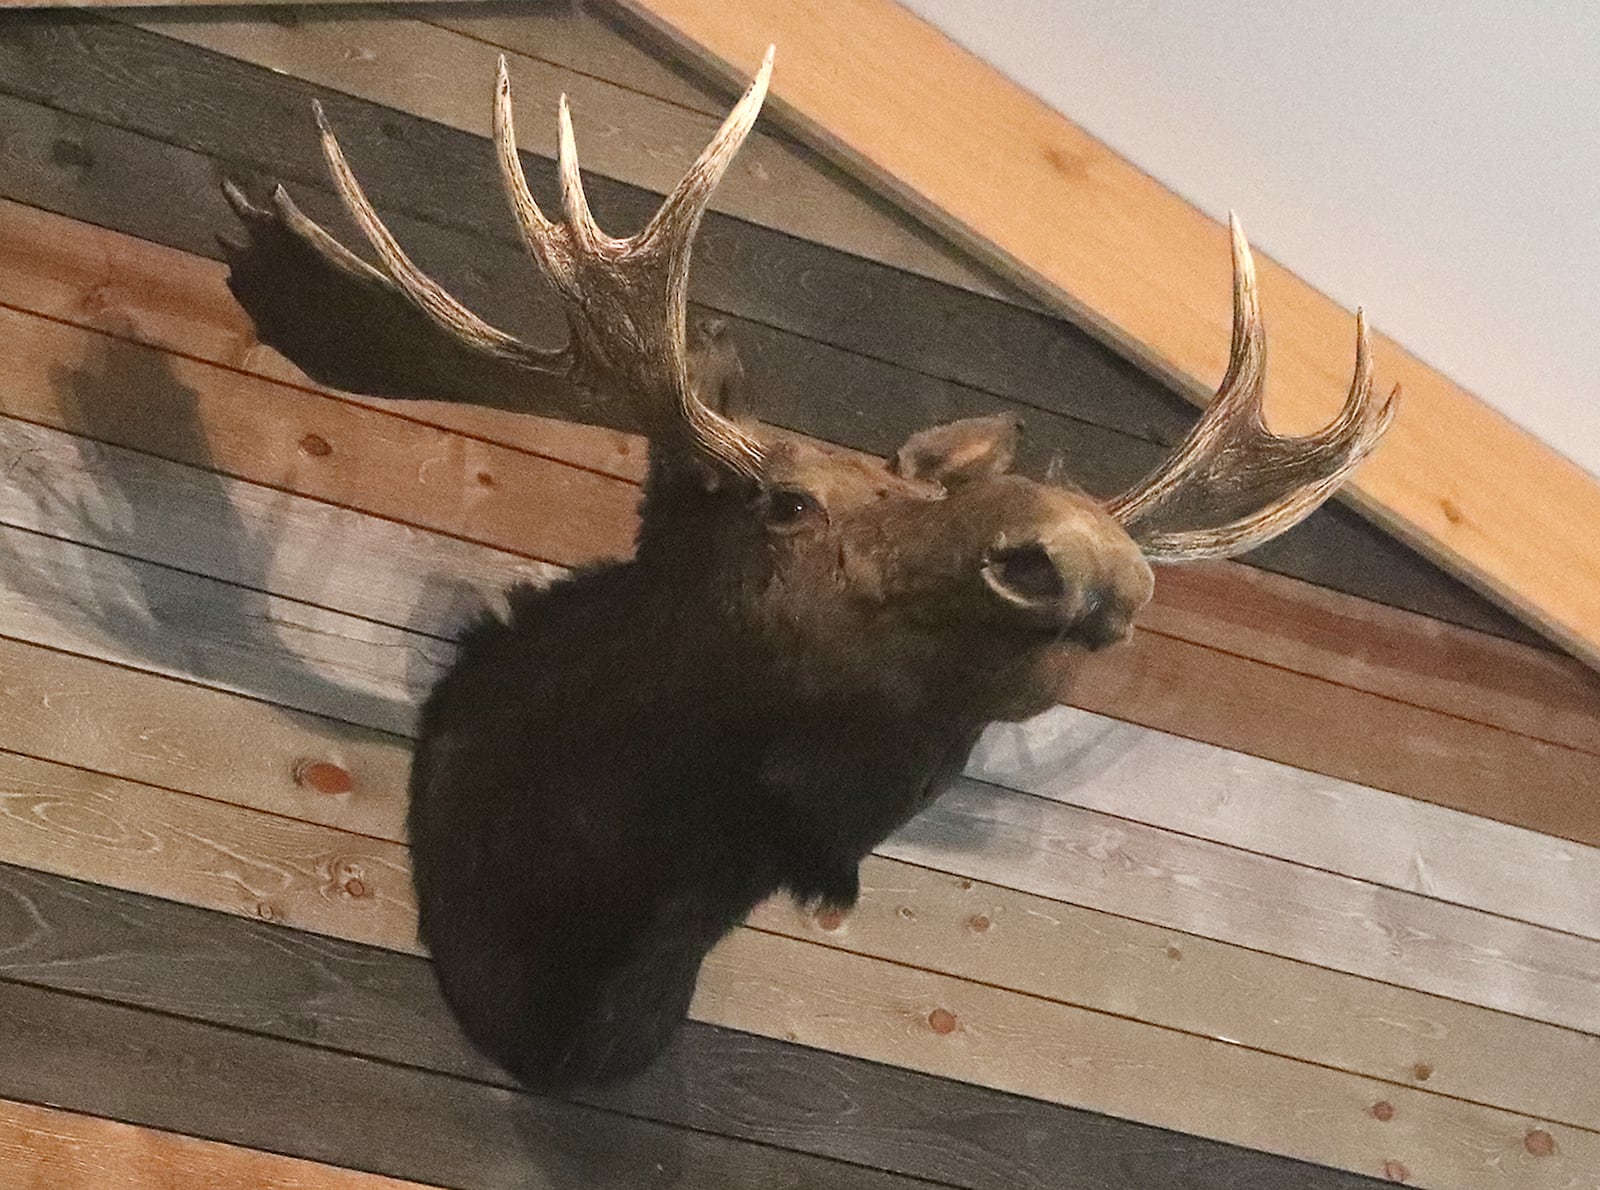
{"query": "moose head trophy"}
pixel 803 649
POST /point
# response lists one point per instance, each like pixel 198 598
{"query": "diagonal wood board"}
pixel 981 160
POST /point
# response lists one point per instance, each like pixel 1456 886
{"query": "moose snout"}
pixel 1073 589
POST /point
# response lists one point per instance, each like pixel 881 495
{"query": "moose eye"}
pixel 789 508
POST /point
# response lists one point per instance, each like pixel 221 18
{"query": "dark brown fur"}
pixel 609 779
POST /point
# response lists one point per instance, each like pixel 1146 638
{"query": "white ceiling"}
pixel 1435 162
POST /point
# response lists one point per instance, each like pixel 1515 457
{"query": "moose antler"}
pixel 395 332
pixel 1233 484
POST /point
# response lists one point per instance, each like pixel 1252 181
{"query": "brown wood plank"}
pixel 250 1090
pixel 87 275
pixel 277 543
pixel 783 988
pixel 1384 650
pixel 995 168
pixel 872 313
pixel 1317 724
pixel 307 876
pixel 42 1146
pixel 213 419
pixel 94 941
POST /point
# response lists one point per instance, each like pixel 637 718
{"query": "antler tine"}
pixel 675 222
pixel 643 278
pixel 573 200
pixel 425 293
pixel 535 227
pixel 1232 484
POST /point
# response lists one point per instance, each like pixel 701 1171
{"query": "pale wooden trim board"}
pixel 901 106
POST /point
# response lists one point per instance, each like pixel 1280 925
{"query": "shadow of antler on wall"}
pixel 120 507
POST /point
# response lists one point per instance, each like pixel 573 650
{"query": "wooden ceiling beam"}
pixel 984 162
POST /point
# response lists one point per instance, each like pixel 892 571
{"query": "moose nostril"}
pixel 1026 573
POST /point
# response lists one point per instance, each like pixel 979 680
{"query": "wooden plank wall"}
pixel 1309 874
pixel 980 157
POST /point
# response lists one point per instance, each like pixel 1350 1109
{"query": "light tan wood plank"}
pixel 1055 211
pixel 152 294
pixel 159 731
pixel 145 507
pixel 177 301
pixel 222 857
pixel 46 1147
pixel 230 750
pixel 432 72
pixel 113 390
pixel 173 845
pixel 333 664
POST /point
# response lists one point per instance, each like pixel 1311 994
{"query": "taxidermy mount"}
pixel 804 648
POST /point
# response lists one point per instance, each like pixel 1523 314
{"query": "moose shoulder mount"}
pixel 802 651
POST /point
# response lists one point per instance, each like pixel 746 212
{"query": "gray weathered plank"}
pixel 87 171
pixel 139 951
pixel 263 645
pixel 178 1074
pixel 135 505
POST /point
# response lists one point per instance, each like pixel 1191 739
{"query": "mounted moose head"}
pixel 804 648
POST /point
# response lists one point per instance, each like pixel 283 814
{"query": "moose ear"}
pixel 960 451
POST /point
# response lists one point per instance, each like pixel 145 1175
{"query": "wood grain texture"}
pixel 135 613
pixel 74 823
pixel 330 1106
pixel 783 988
pixel 186 518
pixel 388 464
pixel 993 167
pixel 93 941
pixel 1318 724
pixel 229 630
pixel 343 666
pixel 333 664
pixel 42 1146
pixel 1097 763
pixel 128 78
pixel 110 390
pixel 265 867
pixel 1388 651
pixel 177 735
pixel 83 274
pixel 399 63
pixel 137 506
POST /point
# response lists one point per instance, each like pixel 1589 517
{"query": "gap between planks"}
pixel 1454 478
pixel 386 696
pixel 1568 707
pixel 110 721
pixel 264 545
pixel 821 996
pixel 73 1151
